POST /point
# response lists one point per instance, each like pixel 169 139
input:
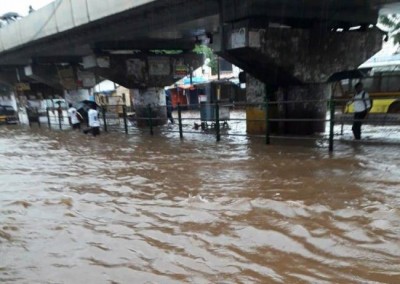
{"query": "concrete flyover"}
pixel 287 48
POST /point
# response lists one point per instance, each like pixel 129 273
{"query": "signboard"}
pixel 239 38
pixel 159 66
pixel 67 78
pixel 20 87
pixel 180 69
pixel 92 61
pixel 103 62
pixel 88 79
pixel 136 68
pixel 246 38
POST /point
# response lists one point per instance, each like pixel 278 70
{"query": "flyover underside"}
pixel 289 45
pixel 70 28
pixel 152 26
pixel 146 70
pixel 304 13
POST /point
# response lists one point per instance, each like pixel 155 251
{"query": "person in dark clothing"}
pixel 362 105
pixel 169 110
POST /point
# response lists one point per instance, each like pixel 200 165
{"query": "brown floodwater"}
pixel 143 209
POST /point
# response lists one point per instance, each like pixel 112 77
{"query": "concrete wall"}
pixel 313 55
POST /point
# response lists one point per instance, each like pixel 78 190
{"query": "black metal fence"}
pixel 217 120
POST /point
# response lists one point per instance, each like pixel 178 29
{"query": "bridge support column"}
pixel 304 107
pixel 297 63
pixel 298 109
pixel 75 96
pixel 150 103
pixel 255 111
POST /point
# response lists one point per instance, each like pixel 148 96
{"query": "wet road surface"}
pixel 142 209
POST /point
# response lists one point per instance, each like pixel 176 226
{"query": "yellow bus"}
pixel 382 87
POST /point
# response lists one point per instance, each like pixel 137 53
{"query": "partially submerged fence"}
pixel 217 120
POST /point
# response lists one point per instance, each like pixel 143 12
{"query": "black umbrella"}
pixel 89 102
pixel 349 74
pixel 84 106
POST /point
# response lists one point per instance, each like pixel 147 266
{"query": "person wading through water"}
pixel 362 105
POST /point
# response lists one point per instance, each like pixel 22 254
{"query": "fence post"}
pixel 332 123
pixel 180 121
pixel 217 126
pixel 38 118
pixel 150 119
pixel 267 130
pixel 48 118
pixel 29 115
pixel 103 110
pixel 60 118
pixel 125 120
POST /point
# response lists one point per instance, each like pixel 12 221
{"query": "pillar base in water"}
pixel 304 102
pixel 150 103
pixel 293 103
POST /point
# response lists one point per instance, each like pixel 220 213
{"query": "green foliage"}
pixel 208 53
pixel 392 24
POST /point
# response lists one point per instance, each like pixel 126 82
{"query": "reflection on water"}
pixel 141 209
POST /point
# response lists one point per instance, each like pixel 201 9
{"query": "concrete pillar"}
pixel 153 98
pixel 313 55
pixel 75 96
pixel 255 112
pixel 298 63
pixel 307 101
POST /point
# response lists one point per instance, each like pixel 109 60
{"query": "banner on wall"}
pixel 159 66
pixel 180 69
pixel 20 87
pixel 67 78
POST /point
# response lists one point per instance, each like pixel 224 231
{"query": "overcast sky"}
pixel 21 6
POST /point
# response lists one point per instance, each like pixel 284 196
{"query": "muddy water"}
pixel 141 209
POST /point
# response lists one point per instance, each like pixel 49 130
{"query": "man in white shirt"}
pixel 362 105
pixel 73 116
pixel 94 123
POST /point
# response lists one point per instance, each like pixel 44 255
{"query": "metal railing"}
pixel 154 119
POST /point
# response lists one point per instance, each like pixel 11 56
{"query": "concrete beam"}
pixel 56 59
pixel 285 56
pixel 5 88
pixel 301 12
pixel 145 44
pixel 43 91
pixel 8 77
pixel 141 70
pixel 45 74
pixel 13 75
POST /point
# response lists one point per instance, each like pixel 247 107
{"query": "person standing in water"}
pixel 362 105
pixel 94 123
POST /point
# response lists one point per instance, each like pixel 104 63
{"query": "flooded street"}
pixel 143 209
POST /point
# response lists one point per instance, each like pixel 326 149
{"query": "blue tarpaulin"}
pixel 195 80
